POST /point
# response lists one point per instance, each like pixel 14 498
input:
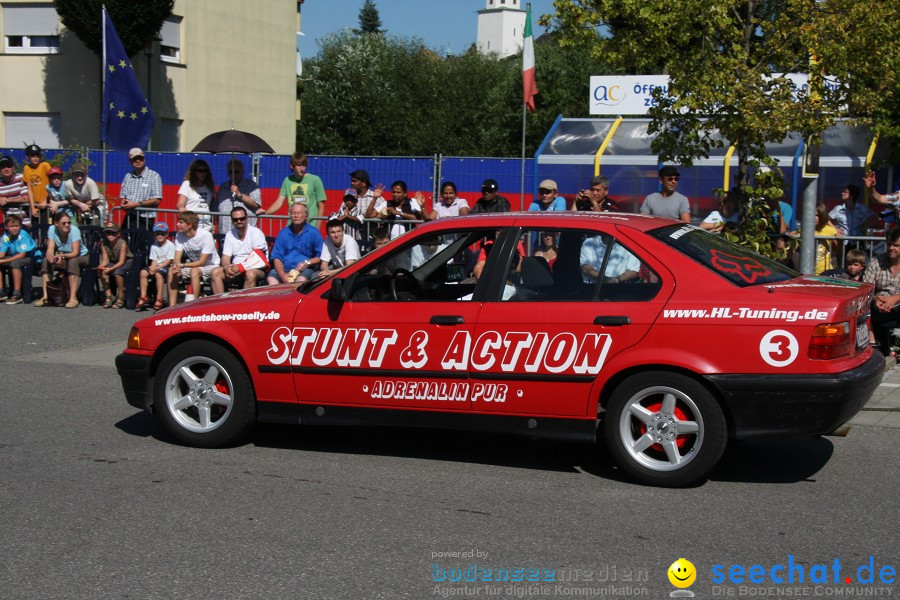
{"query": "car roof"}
pixel 554 219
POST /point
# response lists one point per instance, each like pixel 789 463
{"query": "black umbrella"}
pixel 233 140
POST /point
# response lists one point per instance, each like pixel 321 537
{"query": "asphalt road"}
pixel 96 501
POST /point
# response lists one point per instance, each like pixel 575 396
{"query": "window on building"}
pixel 40 128
pixel 30 29
pixel 170 46
pixel 169 135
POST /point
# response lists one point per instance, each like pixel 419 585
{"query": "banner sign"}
pixel 631 94
pixel 624 94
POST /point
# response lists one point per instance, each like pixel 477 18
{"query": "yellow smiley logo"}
pixel 682 573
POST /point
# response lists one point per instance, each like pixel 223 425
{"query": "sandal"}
pixel 108 302
pixel 120 303
pixel 142 301
pixel 158 304
pixel 39 302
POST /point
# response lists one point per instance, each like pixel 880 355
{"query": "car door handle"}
pixel 447 320
pixel 612 321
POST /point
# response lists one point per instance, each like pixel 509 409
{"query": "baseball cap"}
pixel 135 152
pixel 351 193
pixel 361 175
pixel 54 171
pixel 489 185
pixel 548 184
pixel 78 168
pixel 31 149
pixel 161 226
pixel 6 161
pixel 668 171
pixel 113 227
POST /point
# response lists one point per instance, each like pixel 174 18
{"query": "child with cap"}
pixel 36 173
pixel 58 196
pixel 115 260
pixel 162 252
pixel 350 215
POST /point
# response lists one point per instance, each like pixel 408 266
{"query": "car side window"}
pixel 579 265
pixel 436 268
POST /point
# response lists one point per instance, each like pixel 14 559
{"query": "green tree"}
pixel 724 59
pixel 387 96
pixel 369 19
pixel 137 23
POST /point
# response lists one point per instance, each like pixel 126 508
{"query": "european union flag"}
pixel 127 120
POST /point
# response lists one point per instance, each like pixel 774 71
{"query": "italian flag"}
pixel 529 85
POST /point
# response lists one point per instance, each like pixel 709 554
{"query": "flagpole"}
pixel 102 108
pixel 529 89
pixel 522 186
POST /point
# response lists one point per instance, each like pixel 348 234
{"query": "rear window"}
pixel 735 263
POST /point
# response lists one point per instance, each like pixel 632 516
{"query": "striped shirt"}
pixel 878 271
pixel 138 188
pixel 13 189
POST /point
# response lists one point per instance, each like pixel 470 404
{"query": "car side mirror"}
pixel 338 289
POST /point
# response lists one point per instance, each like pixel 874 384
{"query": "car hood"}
pixel 259 297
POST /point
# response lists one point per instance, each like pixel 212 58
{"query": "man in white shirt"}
pixel 195 254
pixel 621 266
pixel 338 250
pixel 245 254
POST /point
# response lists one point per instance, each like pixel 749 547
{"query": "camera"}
pixel 584 204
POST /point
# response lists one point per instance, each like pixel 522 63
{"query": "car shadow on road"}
pixel 429 444
pixel 144 424
pixel 773 460
pixel 750 461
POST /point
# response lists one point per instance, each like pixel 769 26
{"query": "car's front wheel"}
pixel 664 429
pixel 203 395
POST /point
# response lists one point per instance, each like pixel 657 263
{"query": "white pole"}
pixel 522 183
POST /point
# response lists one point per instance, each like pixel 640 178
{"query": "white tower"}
pixel 501 26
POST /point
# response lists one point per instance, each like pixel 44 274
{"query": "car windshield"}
pixel 735 263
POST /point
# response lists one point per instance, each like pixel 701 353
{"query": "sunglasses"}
pixel 672 178
pixel 238 219
pixel 110 232
pixel 544 192
pixel 162 233
pixel 137 159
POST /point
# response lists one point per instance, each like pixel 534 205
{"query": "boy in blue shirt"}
pixel 58 196
pixel 16 251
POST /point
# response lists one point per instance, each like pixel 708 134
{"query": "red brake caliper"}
pixel 681 440
pixel 221 386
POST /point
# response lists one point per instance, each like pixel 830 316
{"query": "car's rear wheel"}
pixel 664 429
pixel 203 395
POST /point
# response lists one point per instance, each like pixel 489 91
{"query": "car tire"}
pixel 664 429
pixel 204 396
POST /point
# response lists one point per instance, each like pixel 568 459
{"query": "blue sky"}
pixel 440 23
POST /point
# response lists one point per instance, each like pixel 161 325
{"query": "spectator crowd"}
pixel 45 213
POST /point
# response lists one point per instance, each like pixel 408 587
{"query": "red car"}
pixel 669 338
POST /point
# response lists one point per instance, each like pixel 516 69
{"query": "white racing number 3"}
pixel 779 348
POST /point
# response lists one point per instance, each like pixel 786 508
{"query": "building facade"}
pixel 215 64
pixel 501 25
